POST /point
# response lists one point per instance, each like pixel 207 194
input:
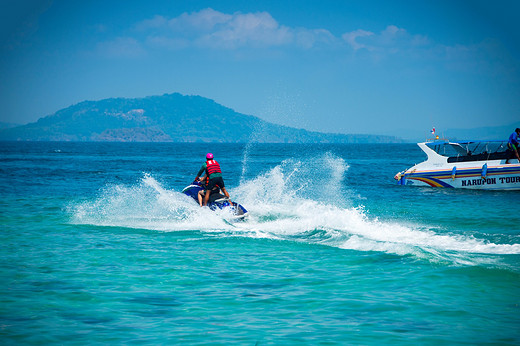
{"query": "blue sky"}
pixel 383 67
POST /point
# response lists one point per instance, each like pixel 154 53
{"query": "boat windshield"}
pixel 469 150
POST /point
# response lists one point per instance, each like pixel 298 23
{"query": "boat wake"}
pixel 284 204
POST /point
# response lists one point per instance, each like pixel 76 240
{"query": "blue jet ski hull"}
pixel 216 201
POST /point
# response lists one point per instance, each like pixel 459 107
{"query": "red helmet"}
pixel 209 156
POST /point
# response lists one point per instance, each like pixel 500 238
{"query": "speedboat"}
pixel 217 201
pixel 467 165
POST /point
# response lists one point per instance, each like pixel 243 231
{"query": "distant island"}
pixel 168 118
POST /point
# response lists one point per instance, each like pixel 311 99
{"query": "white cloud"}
pixel 211 29
pixel 256 29
pixel 204 20
pixel 309 38
pixel 214 29
pixel 391 40
pixel 350 38
pixel 392 30
pixel 391 37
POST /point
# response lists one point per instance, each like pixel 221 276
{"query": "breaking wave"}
pixel 284 203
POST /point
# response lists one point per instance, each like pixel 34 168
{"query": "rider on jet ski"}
pixel 214 174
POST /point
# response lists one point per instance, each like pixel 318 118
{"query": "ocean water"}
pixel 99 246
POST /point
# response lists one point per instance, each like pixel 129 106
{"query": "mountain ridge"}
pixel 168 118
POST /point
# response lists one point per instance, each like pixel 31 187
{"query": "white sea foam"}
pixel 285 203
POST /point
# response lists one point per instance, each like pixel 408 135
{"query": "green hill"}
pixel 167 118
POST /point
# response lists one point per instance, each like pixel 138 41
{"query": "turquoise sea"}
pixel 99 246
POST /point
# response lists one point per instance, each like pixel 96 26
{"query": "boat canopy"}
pixel 470 150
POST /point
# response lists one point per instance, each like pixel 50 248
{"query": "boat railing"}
pixel 470 150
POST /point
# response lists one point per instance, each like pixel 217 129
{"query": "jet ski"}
pixel 217 201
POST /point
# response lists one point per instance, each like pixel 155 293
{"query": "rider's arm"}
pixel 201 170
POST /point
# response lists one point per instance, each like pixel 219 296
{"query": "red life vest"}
pixel 212 167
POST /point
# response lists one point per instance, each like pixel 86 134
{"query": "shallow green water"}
pixel 99 246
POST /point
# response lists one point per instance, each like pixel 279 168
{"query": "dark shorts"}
pixel 215 181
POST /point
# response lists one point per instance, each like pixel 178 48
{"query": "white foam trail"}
pixel 147 205
pixel 351 229
pixel 284 204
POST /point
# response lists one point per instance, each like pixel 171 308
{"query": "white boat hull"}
pixel 501 177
